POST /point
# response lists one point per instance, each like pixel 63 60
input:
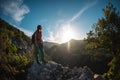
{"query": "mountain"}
pixel 49 44
pixel 73 46
pixel 74 53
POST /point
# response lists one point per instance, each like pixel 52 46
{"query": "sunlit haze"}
pixel 68 33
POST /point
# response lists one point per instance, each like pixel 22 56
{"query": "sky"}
pixel 61 20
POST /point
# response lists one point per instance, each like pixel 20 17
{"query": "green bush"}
pixel 13 66
pixel 114 71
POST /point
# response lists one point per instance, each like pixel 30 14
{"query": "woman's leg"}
pixel 42 52
pixel 36 54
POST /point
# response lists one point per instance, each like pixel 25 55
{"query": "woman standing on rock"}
pixel 38 44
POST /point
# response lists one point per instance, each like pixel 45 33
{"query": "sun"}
pixel 67 33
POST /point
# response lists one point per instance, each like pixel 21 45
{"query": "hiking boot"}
pixel 44 62
pixel 38 63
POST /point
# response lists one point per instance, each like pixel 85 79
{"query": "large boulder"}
pixel 55 71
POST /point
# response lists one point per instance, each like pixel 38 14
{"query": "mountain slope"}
pixel 15 52
pixel 9 35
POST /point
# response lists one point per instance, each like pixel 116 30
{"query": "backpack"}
pixel 33 38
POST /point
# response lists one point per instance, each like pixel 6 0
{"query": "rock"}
pixel 55 71
pixel 87 74
pixel 98 77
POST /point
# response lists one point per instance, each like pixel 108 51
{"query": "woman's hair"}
pixel 39 27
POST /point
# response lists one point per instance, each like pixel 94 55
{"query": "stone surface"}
pixel 55 71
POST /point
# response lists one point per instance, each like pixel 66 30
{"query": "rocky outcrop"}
pixel 22 46
pixel 55 71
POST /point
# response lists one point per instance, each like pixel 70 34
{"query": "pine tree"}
pixel 106 35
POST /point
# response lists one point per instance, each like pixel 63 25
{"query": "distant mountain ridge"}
pixel 49 44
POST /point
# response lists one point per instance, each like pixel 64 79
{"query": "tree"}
pixel 106 35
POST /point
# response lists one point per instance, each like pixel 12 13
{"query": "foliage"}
pixel 106 35
pixel 106 32
pixel 114 71
pixel 12 66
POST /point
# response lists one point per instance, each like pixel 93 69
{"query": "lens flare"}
pixel 68 33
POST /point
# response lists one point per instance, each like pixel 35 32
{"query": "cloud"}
pixel 43 21
pixel 15 9
pixel 82 11
pixel 54 35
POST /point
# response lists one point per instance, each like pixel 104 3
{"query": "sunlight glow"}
pixel 64 33
pixel 67 33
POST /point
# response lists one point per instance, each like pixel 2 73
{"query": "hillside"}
pixel 11 36
pixel 15 52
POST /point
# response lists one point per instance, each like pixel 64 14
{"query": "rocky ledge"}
pixel 55 71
